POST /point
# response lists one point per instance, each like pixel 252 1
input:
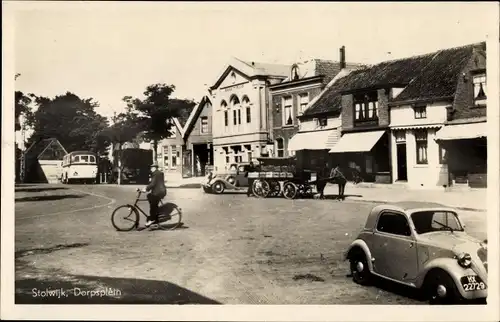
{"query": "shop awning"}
pixel 315 140
pixel 357 142
pixel 462 131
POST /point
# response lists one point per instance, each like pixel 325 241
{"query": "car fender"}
pixel 361 244
pixel 449 265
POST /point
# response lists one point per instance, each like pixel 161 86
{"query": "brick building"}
pixel 290 98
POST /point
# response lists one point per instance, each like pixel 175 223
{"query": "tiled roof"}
pixel 330 68
pixel 36 148
pixel 440 77
pixel 426 76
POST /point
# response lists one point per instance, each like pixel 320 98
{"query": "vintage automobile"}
pixel 423 246
pixel 235 179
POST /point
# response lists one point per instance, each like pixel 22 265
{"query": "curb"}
pixel 455 207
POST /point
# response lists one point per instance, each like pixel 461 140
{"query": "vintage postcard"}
pixel 250 161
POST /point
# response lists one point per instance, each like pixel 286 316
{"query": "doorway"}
pixel 401 156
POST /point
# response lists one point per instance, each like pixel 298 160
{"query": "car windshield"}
pixel 429 221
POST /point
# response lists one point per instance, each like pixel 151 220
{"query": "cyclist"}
pixel 157 191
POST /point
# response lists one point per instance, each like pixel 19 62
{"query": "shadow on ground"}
pixel 47 250
pixel 60 288
pixel 48 198
pixel 22 189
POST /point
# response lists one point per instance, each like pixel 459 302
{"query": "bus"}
pixel 79 166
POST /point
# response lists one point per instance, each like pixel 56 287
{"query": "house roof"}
pixel 252 69
pixel 331 68
pixel 194 115
pixel 37 148
pixel 429 76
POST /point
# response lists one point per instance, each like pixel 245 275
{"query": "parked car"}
pixel 423 246
pixel 235 178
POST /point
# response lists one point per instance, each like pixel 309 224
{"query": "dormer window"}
pixel 366 107
pixel 479 82
pixel 322 121
pixel 295 73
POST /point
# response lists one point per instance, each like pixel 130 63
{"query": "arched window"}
pixel 280 147
pixel 235 106
pixel 248 111
pixel 223 106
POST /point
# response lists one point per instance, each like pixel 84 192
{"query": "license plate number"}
pixel 472 283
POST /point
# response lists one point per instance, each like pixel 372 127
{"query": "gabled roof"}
pixel 195 113
pixel 252 69
pixel 430 76
pixel 36 149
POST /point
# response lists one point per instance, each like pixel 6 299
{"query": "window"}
pixel 479 82
pixel 303 101
pixel 287 114
pixel 165 157
pixel 392 223
pixel 366 107
pixel 204 124
pixel 249 115
pixel 235 119
pixel 400 136
pixel 227 159
pixel 323 121
pixel 249 156
pixel 429 221
pixel 92 159
pixel 442 155
pixel 420 112
pixel 174 154
pixel 239 116
pixel 84 158
pixel 280 147
pixel 421 144
pixel 238 159
pixel 76 158
pixel 226 118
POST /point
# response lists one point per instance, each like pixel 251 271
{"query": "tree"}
pixel 155 111
pixel 70 119
pixel 125 128
pixel 22 106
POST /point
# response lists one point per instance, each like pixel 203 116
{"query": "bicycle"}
pixel 169 216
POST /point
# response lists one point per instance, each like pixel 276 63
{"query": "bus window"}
pixel 91 159
pixel 76 158
pixel 85 158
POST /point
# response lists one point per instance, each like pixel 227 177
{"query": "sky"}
pixel 109 50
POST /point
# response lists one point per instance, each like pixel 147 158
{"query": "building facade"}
pixel 198 148
pixel 240 99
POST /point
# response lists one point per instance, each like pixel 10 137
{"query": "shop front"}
pixel 365 154
pixel 466 146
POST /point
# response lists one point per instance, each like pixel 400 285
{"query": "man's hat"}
pixel 154 165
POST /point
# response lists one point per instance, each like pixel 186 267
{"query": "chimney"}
pixel 342 57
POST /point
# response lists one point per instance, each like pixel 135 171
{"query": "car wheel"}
pixel 218 187
pixel 441 289
pixel 359 268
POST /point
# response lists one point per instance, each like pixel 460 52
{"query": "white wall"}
pixel 404 115
pixel 432 175
pixel 311 125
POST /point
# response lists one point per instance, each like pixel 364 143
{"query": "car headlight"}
pixel 464 260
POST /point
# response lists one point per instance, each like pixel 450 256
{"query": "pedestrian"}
pixel 251 168
pixel 340 179
pixel 322 180
pixel 157 191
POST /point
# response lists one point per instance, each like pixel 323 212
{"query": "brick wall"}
pixel 383 107
pixel 464 98
pixel 347 112
pixel 277 103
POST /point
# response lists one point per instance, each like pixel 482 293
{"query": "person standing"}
pixel 157 191
pixel 340 179
pixel 322 180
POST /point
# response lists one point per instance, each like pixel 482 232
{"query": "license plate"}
pixel 472 283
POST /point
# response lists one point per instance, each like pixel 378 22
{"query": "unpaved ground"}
pixel 231 250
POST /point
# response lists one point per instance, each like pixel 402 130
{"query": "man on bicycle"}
pixel 157 191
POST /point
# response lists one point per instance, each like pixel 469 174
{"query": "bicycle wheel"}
pixel 170 216
pixel 125 218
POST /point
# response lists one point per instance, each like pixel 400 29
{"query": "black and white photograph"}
pixel 258 161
